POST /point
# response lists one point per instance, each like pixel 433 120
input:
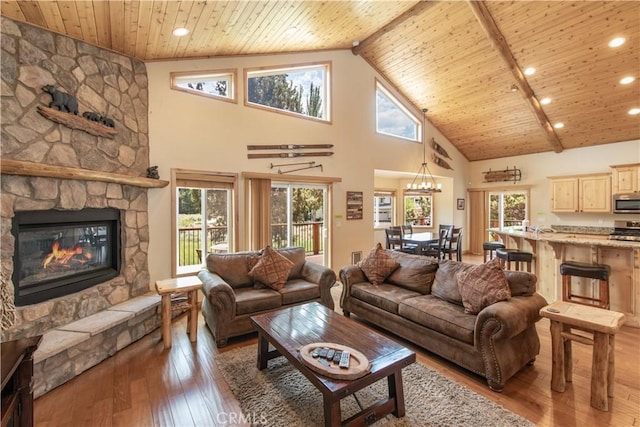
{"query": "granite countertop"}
pixel 570 238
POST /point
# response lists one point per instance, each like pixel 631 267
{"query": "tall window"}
pixel 301 90
pixel 219 84
pixel 297 216
pixel 507 208
pixel 203 220
pixel 393 118
pixel 418 209
pixel 383 208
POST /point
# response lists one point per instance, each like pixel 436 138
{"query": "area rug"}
pixel 281 396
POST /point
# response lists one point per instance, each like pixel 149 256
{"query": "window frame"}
pixel 208 180
pixel 280 69
pixel 379 194
pixel 415 194
pixel 232 73
pixel 400 105
pixel 501 194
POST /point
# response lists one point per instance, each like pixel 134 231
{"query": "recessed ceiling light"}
pixel 545 101
pixel 530 71
pixel 627 80
pixel 558 125
pixel 180 32
pixel 617 42
pixel 291 30
pixel 634 111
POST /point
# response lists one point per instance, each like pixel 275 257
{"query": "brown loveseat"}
pixel 232 296
pixel 420 302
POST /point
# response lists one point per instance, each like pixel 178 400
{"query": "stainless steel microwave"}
pixel 626 203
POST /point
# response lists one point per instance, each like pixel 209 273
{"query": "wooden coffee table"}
pixel 293 327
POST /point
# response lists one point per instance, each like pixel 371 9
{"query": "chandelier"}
pixel 423 182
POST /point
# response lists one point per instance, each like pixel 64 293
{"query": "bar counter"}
pixel 550 249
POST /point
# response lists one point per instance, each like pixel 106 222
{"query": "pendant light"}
pixel 423 182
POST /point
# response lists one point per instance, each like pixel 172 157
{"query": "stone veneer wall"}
pixel 105 82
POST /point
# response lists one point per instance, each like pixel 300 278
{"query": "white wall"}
pixel 537 167
pixel 193 132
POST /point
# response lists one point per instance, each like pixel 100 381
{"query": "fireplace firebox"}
pixel 61 252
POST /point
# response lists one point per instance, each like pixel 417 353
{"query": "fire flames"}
pixel 65 255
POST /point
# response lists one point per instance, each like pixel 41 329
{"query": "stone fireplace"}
pixel 84 173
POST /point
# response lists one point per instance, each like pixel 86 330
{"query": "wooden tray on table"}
pixel 359 365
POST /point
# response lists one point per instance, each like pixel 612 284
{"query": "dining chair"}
pixel 440 245
pixel 394 237
pixel 436 250
pixel 407 229
pixel 454 244
pixel 395 241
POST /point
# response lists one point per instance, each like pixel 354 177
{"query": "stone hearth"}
pixel 112 85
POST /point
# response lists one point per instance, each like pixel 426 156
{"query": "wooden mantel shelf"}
pixel 17 167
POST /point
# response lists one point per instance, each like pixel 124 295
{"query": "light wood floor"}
pixel 145 385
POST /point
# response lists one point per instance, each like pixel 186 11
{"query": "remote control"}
pixel 330 354
pixel 337 356
pixel 315 353
pixel 344 359
pixel 323 352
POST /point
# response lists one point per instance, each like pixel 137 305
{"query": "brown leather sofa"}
pixel 232 297
pixel 420 302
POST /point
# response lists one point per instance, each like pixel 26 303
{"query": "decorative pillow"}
pixel 483 285
pixel 272 269
pixel 377 265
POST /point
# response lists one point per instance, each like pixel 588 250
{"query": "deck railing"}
pixel 307 235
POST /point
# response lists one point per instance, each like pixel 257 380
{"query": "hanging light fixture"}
pixel 423 182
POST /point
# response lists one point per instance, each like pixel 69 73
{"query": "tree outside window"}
pixel 301 90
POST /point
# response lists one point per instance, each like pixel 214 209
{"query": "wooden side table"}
pixel 603 324
pixel 166 288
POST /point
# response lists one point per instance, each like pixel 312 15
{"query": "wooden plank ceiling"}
pixel 458 59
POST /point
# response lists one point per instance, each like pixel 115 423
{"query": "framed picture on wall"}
pixel 354 205
pixel 460 204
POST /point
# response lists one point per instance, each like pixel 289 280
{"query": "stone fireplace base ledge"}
pixel 69 350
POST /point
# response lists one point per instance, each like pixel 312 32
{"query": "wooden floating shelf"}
pixel 77 122
pixel 18 167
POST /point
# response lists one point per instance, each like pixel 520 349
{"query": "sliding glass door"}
pixel 298 215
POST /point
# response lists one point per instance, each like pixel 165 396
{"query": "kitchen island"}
pixel 550 249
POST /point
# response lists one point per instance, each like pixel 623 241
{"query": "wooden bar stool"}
pixel 489 248
pixel 518 256
pixel 603 324
pixel 591 271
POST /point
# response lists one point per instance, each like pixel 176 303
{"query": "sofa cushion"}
pixel 299 290
pixel 272 269
pixel 483 285
pixel 439 315
pixel 445 284
pixel 385 296
pixel 377 265
pixel 250 300
pixel 231 267
pixel 416 272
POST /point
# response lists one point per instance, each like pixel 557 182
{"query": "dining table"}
pixel 422 239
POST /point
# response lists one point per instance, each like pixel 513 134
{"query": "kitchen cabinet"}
pixel 581 193
pixel 625 178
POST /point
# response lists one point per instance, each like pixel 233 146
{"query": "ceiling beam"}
pixel 500 44
pixel 416 10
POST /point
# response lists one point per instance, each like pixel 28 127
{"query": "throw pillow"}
pixel 483 285
pixel 377 265
pixel 272 269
